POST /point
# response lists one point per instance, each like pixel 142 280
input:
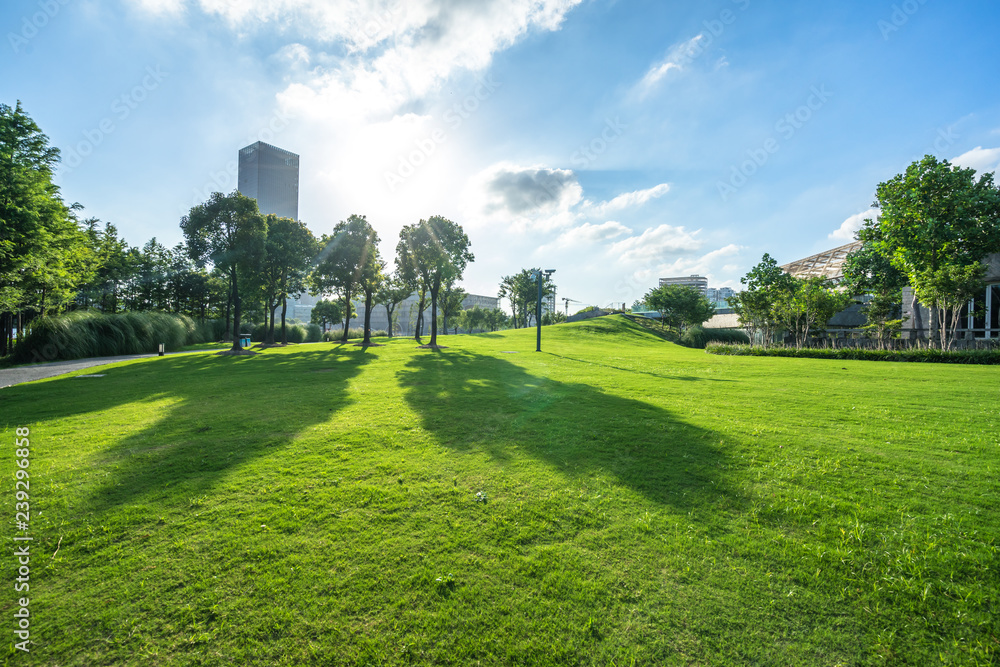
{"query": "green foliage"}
pixel 328 312
pixel 44 254
pixel 393 291
pixel 314 333
pixel 586 309
pixel 84 334
pixel 927 355
pixel 680 306
pixel 807 305
pixel 521 291
pixel 229 232
pixel 936 221
pixel 757 306
pixel 348 263
pixel 698 336
pixel 433 253
pixel 296 333
pixel 867 272
pixel 354 333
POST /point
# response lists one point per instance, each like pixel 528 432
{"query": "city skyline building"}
pixel 271 176
pixel 700 283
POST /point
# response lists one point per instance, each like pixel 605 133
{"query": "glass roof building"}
pixel 271 176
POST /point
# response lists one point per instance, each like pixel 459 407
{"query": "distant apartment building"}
pixel 271 176
pixel 700 283
pixel 719 294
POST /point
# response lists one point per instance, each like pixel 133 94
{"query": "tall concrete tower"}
pixel 271 176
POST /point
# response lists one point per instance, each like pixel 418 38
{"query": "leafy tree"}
pixel 680 306
pixel 347 252
pixel 325 312
pixel 229 232
pixel 950 288
pixel 45 255
pixel 393 292
pixel 451 303
pixel 809 302
pixel 29 201
pixel 936 220
pixel 521 290
pixel 870 274
pixel 434 252
pixel 495 319
pixel 553 318
pixel 765 287
pixel 289 250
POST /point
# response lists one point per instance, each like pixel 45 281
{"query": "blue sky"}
pixel 613 141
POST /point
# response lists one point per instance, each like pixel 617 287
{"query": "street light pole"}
pixel 538 307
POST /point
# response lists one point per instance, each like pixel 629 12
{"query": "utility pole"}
pixel 538 306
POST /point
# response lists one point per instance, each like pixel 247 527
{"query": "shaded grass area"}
pixel 613 500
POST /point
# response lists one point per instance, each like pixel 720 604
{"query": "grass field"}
pixel 614 500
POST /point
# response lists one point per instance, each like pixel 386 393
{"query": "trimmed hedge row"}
pixel 353 333
pixel 83 334
pixel 861 354
pixel 297 333
pixel 699 337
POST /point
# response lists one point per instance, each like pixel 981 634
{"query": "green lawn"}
pixel 644 504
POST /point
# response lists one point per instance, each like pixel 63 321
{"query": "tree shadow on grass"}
pixel 471 401
pixel 222 413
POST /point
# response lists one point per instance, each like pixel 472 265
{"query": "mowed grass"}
pixel 645 504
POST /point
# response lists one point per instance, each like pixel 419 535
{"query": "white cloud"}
pixel 627 200
pixel 655 243
pixel 588 234
pixel 979 158
pixel 850 226
pixel 678 57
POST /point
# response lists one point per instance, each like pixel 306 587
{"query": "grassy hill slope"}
pixel 615 499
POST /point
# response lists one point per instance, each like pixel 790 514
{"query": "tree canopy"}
pixel 680 306
pixel 936 222
pixel 228 231
pixel 434 253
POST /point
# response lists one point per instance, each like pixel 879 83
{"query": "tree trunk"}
pixel 933 333
pixel 284 310
pixel 419 328
pixel 367 340
pixel 237 313
pixel 434 309
pixel 347 314
pixel 229 305
pixel 388 317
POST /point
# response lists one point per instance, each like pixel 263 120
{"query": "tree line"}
pixel 937 224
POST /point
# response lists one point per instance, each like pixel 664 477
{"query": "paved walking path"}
pixel 11 376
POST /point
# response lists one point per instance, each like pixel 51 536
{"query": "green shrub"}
pixel 699 337
pixel 314 333
pixel 861 354
pixel 82 334
pixel 295 333
pixel 354 333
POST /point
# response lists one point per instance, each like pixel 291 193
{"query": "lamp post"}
pixel 538 306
